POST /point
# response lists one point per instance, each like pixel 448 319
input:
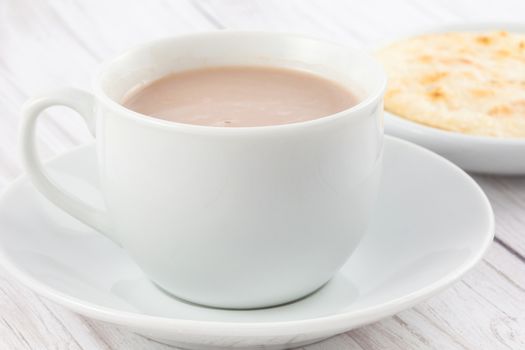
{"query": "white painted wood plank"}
pixel 54 44
pixel 507 196
pixel 357 22
pixel 483 311
pixel 28 321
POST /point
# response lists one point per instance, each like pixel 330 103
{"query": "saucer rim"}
pixel 220 328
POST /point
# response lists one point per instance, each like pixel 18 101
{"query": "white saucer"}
pixel 473 153
pixel 432 224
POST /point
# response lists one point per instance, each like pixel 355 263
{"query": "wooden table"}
pixel 46 44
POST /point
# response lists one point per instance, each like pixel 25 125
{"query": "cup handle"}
pixel 83 103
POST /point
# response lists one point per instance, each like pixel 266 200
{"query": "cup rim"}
pixel 160 123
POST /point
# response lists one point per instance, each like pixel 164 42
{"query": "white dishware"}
pixel 432 224
pixel 229 217
pixel 481 154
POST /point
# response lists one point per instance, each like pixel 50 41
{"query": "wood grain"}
pixel 47 44
pixel 483 311
pixel 507 196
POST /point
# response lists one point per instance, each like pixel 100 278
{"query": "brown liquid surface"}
pixel 240 96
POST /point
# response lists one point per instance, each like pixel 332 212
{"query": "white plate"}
pixel 432 224
pixel 473 153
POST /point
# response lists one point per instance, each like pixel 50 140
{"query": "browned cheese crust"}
pixel 473 83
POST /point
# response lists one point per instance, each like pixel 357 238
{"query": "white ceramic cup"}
pixel 228 217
